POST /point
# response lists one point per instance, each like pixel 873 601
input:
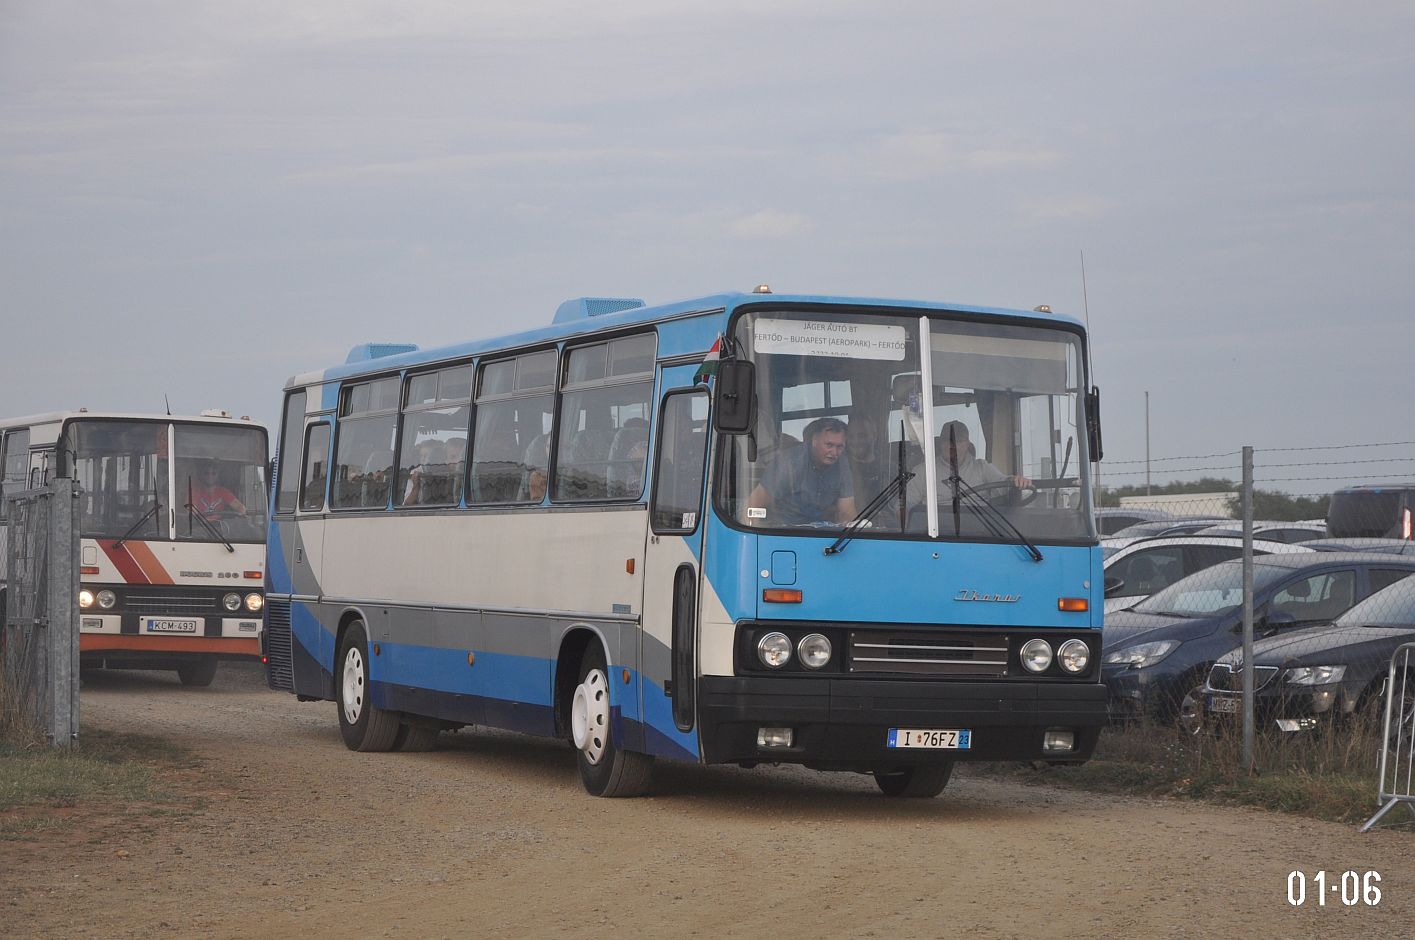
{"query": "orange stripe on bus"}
pixel 168 644
pixel 128 568
pixel 147 561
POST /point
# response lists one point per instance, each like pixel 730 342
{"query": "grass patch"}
pixel 1329 773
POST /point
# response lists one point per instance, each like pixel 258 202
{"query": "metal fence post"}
pixel 63 632
pixel 1248 609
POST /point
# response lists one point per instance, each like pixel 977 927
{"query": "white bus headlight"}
pixel 1036 655
pixel 231 602
pixel 85 598
pixel 254 602
pixel 814 651
pixel 1074 656
pixel 774 650
pixel 106 599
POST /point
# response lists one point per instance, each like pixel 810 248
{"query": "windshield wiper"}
pixel 152 512
pixel 871 508
pixel 989 515
pixel 206 523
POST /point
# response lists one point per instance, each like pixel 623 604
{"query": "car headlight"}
pixel 106 599
pixel 1074 656
pixel 774 650
pixel 1036 655
pixel 1313 675
pixel 231 602
pixel 814 651
pixel 1142 655
pixel 254 602
pixel 85 598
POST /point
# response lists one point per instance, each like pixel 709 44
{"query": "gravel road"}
pixel 492 836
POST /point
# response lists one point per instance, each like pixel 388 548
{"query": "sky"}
pixel 198 201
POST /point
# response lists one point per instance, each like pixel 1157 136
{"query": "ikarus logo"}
pixel 967 595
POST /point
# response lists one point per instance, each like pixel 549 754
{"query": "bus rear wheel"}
pixel 363 725
pixel 606 769
pixel 920 782
pixel 199 673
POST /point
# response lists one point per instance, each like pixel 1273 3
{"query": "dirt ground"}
pixel 491 836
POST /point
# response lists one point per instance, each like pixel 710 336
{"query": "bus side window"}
pixel 316 467
pixel 287 461
pixel 678 473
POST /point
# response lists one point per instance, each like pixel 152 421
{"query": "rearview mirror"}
pixel 1093 422
pixel 734 411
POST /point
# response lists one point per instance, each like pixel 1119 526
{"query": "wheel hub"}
pixel 353 698
pixel 589 716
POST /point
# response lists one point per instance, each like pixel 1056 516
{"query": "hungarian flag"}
pixel 709 366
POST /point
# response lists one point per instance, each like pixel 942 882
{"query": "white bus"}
pixel 172 521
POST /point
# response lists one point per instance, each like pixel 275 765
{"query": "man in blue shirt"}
pixel 808 484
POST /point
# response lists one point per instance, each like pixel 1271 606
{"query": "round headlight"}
pixel 85 598
pixel 774 650
pixel 1036 655
pixel 814 651
pixel 1074 656
pixel 231 602
pixel 254 602
pixel 106 599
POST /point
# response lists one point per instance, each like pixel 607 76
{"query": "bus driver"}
pixel 209 497
pixel 807 484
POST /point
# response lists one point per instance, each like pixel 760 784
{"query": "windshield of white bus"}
pixel 838 393
pixel 131 486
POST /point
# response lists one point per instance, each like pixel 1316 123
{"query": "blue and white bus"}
pixel 853 534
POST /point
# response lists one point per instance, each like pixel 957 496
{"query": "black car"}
pixel 1157 656
pixel 1381 510
pixel 1328 670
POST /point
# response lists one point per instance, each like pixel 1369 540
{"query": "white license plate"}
pixel 168 625
pixel 1225 704
pixel 959 739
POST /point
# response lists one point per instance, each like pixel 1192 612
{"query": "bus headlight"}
pixel 254 602
pixel 85 598
pixel 1036 655
pixel 1074 656
pixel 231 602
pixel 774 650
pixel 106 599
pixel 814 651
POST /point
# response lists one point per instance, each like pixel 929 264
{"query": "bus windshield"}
pixel 843 407
pixel 138 478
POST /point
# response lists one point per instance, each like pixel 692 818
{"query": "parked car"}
pixel 1144 566
pixel 1157 656
pixel 1381 511
pixel 1291 532
pixel 1179 525
pixel 1324 671
pixel 1384 546
pixel 1110 519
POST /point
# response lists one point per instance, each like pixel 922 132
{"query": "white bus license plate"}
pixel 959 739
pixel 1224 704
pixel 167 625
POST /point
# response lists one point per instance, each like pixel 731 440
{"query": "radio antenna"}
pixel 169 404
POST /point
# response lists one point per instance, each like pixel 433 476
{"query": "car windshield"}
pixel 1209 593
pixel 1393 606
pixel 840 414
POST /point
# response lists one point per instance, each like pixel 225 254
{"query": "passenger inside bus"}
pixel 807 485
pixel 422 486
pixel 536 469
pixel 956 453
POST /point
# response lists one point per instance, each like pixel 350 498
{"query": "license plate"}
pixel 1224 704
pixel 165 625
pixel 959 739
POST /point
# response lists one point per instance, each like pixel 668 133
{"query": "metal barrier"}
pixel 1397 767
pixel 39 685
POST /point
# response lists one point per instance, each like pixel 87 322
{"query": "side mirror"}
pixel 734 411
pixel 1113 586
pixel 1093 422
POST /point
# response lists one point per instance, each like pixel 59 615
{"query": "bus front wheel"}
pixel 363 725
pixel 921 782
pixel 606 769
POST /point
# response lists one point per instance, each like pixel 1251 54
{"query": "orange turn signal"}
pixel 781 596
pixel 1076 605
pixel 89 569
pixel 253 575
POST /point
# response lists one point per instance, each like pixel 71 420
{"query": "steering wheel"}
pixel 1017 495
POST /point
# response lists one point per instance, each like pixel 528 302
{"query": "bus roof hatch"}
pixel 366 351
pixel 581 307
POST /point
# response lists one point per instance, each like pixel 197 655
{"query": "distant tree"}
pixel 1267 504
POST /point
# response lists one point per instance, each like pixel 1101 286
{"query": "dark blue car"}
pixel 1157 656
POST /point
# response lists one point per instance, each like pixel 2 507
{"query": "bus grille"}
pixel 171 603
pixel 280 665
pixel 1224 678
pixel 928 654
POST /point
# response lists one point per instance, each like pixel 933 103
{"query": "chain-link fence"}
pixel 1324 600
pixel 39 684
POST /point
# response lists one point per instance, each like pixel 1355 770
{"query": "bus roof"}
pixel 58 417
pixel 622 315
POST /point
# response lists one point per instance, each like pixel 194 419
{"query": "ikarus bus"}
pixel 853 534
pixel 172 521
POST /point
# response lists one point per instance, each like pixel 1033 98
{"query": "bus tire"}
pixel 413 738
pixel 199 673
pixel 363 725
pixel 919 782
pixel 606 769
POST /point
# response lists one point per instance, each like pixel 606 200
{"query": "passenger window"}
pixel 603 434
pixel 511 445
pixel 678 474
pixel 316 468
pixel 433 458
pixel 1382 578
pixel 1147 571
pixel 1317 598
pixel 16 461
pixel 288 486
pixel 368 421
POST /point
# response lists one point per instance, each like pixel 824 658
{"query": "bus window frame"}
pixel 282 460
pixel 704 490
pixel 311 425
pixel 405 386
pixel 478 399
pixel 346 391
pixel 609 380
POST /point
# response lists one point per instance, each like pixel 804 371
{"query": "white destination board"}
pixel 829 338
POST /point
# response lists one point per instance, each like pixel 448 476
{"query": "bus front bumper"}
pixel 845 723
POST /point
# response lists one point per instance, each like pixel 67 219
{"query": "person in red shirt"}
pixel 209 497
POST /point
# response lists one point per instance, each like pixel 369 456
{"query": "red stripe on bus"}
pixel 238 646
pixel 128 568
pixel 142 554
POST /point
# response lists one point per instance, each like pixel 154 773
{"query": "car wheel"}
pixel 917 782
